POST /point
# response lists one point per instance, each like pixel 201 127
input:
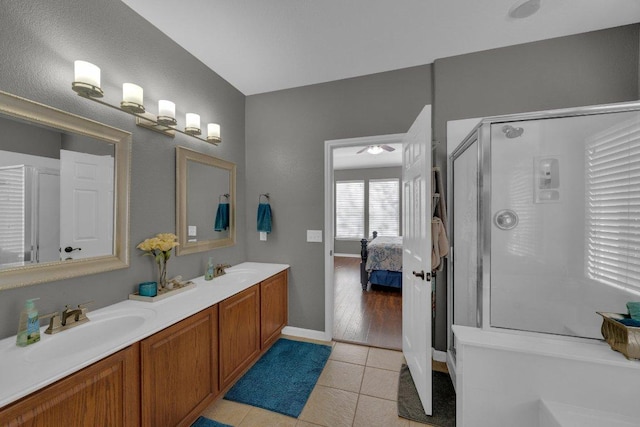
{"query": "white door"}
pixel 416 258
pixel 86 205
pixel 48 217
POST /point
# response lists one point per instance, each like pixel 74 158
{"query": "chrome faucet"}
pixel 219 270
pixel 69 318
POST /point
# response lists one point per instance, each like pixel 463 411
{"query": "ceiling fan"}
pixel 376 149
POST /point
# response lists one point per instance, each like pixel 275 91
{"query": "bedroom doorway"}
pixel 372 317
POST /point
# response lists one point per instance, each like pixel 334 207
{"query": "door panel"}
pixel 416 260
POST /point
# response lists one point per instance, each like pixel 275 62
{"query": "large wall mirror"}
pixel 64 194
pixel 206 202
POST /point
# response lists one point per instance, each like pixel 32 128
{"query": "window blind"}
pixel 613 206
pixel 349 209
pixel 384 207
pixel 12 227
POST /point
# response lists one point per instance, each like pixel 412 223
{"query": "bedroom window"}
pixel 349 209
pixel 612 206
pixel 384 207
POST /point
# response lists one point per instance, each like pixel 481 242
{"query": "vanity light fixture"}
pixel 193 124
pixel 213 133
pixel 87 85
pixel 132 99
pixel 87 80
pixel 166 113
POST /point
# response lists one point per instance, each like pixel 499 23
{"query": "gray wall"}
pixel 286 130
pixel 592 68
pixel 285 138
pixel 20 137
pixel 353 246
pixel 40 41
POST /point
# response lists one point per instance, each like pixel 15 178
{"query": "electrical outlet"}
pixel 314 235
pixel 263 236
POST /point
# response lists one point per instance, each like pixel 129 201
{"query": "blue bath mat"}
pixel 206 422
pixel 282 380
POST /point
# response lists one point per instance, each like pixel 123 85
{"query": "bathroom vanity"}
pixel 163 365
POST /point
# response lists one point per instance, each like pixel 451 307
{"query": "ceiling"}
pixel 262 46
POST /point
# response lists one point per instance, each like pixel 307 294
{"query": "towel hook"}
pixel 265 195
pixel 223 195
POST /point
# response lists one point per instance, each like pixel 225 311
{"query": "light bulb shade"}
pixel 86 80
pixel 132 99
pixel 193 124
pixel 213 132
pixel 375 149
pixel 166 113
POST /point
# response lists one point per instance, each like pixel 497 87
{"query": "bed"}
pixel 381 261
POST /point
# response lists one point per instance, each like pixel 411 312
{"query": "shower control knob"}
pixel 505 219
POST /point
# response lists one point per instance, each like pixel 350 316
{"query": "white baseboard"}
pixel 439 356
pixel 305 333
pixel 348 255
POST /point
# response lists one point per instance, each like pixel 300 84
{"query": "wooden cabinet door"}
pixel 179 370
pixel 273 308
pixel 106 393
pixel 239 333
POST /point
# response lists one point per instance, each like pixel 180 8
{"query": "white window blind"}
pixel 384 207
pixel 349 209
pixel 613 206
pixel 12 226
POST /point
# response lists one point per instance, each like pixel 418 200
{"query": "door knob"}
pixel 70 249
pixel 420 275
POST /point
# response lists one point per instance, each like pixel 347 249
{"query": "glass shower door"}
pixel 465 239
pixel 565 222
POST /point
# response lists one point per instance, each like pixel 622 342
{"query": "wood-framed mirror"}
pixel 205 202
pixel 64 191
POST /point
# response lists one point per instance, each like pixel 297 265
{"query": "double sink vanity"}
pixel 135 362
pixel 150 364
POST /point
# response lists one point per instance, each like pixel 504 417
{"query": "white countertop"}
pixel 24 370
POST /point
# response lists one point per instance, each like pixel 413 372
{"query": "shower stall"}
pixel 545 220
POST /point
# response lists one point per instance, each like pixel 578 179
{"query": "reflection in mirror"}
pixel 61 177
pixel 46 175
pixel 206 202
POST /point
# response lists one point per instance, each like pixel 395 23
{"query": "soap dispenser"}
pixel 29 326
pixel 208 273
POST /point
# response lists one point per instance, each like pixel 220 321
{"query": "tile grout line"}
pixel 353 420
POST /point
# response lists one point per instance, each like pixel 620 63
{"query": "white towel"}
pixel 439 244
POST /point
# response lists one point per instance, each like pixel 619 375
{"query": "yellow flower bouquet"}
pixel 160 248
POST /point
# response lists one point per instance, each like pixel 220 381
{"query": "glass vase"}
pixel 162 275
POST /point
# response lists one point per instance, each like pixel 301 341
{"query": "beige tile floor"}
pixel 358 387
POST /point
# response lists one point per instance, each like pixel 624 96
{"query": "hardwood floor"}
pixel 373 318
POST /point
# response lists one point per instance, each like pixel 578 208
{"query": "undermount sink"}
pixel 101 328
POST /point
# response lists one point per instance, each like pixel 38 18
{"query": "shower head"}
pixel 512 132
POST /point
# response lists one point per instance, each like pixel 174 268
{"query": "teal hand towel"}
pixel 630 322
pixel 634 309
pixel 222 217
pixel 264 217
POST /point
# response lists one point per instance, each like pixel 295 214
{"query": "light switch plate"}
pixel 263 236
pixel 192 231
pixel 314 235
